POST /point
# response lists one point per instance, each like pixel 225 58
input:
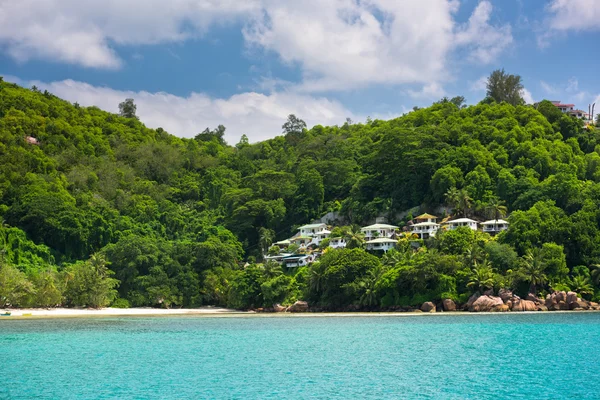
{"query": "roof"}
pixel 494 222
pixel 312 226
pixel 300 238
pixel 564 105
pixel 426 216
pixel 576 112
pixel 286 241
pixel 462 220
pixel 378 226
pixel 426 224
pixel 323 232
pixel 381 240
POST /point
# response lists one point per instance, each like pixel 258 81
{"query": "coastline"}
pixel 52 313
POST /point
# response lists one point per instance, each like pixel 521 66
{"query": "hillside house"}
pixel 457 223
pixel 425 226
pixel 298 260
pixel 312 229
pixel 381 243
pixel 565 108
pixel 494 226
pixel 337 243
pixel 282 244
pixel 301 241
pixel 379 231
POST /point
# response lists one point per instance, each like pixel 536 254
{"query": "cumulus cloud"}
pixel 257 115
pixel 338 44
pixel 479 85
pixel 431 90
pixel 526 94
pixel 83 32
pixel 484 41
pixel 578 15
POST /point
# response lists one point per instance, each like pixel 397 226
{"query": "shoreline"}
pixel 217 312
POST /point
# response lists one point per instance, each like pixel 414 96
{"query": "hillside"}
pixel 85 193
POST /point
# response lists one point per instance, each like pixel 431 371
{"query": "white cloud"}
pixel 432 90
pixel 578 15
pixel 479 85
pixel 339 44
pixel 344 44
pixel 257 115
pixel 526 94
pixel 484 41
pixel 548 88
pixel 83 32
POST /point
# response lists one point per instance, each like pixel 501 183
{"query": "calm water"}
pixel 538 356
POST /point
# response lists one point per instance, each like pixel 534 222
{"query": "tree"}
pixel 459 101
pixel 265 239
pixel 293 125
pixel 505 87
pixel 354 238
pixel 495 209
pixel 482 277
pixel 533 269
pixel 90 283
pixel 128 109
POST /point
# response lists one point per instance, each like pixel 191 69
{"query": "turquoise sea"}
pixel 529 356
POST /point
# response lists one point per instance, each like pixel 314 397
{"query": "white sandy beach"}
pixel 83 312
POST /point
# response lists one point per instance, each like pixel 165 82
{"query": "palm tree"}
pixel 581 284
pixel 496 209
pixel 595 274
pixel 452 196
pixel 482 276
pixel 354 238
pixel 316 277
pixel 464 202
pixel 272 269
pixel 391 258
pixel 473 256
pixel 533 268
pixel 369 286
pixel 265 238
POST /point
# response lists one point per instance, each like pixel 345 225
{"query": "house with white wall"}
pixel 379 231
pixel 298 260
pixel 425 226
pixel 494 226
pixel 458 223
pixel 337 242
pixel 382 243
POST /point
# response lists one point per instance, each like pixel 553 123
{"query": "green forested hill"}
pixel 173 218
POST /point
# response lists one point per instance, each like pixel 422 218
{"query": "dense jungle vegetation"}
pixel 97 209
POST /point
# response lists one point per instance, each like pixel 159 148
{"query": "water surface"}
pixel 549 355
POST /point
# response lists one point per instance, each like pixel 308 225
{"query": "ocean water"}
pixel 528 356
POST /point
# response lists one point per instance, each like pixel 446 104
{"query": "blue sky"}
pixel 192 64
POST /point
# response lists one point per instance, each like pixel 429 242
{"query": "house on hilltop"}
pixel 379 231
pixel 460 222
pixel 382 243
pixel 425 226
pixel 494 226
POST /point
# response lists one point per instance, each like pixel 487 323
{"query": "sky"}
pixel 248 64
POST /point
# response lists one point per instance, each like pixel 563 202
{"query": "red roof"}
pixel 564 105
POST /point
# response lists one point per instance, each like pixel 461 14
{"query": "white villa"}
pixel 425 226
pixel 457 223
pixel 312 229
pixel 379 231
pixel 301 241
pixel 337 243
pixel 381 243
pixel 494 226
pixel 298 260
pixel 282 244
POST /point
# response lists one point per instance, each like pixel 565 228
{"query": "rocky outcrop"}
pixel 279 308
pixel 523 305
pixel 299 306
pixel 485 303
pixel 501 308
pixel 505 294
pixel 542 307
pixel 579 305
pixel 472 300
pixel 571 297
pixel 428 306
pixel 449 305
pixel 534 298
